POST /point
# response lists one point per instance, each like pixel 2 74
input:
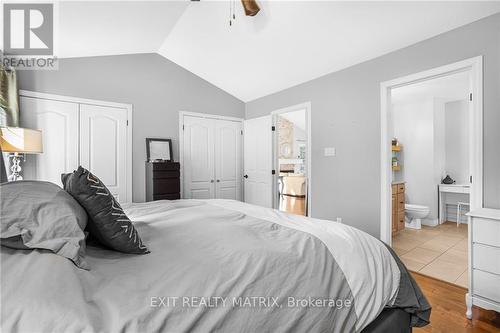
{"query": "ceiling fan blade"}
pixel 251 7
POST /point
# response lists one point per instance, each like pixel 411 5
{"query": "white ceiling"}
pixel 286 44
pixel 448 88
pixel 96 28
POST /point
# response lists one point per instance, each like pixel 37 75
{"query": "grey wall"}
pixel 417 128
pixel 157 88
pixel 346 115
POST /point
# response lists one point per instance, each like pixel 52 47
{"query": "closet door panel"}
pixel 103 146
pixel 58 122
pixel 228 159
pixel 198 152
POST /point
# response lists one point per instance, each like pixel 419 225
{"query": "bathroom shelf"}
pixel 396 168
pixel 397 148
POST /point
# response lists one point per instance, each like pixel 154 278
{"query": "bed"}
pixel 216 265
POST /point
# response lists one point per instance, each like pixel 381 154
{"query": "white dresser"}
pixel 484 260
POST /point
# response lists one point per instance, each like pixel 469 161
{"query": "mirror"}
pixel 159 150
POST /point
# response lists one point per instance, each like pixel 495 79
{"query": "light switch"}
pixel 330 151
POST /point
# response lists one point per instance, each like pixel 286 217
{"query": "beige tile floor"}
pixel 440 252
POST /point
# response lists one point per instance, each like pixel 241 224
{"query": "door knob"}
pixel 246 176
pixel 211 180
pixel 218 180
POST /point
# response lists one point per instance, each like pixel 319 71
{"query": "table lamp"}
pixel 19 141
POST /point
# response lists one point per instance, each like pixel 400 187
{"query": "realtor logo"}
pixel 28 29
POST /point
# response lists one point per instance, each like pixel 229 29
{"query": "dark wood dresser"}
pixel 163 181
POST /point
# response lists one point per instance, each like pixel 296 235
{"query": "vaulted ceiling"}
pixel 286 44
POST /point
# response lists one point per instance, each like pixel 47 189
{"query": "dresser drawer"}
pixel 486 258
pixel 486 231
pixel 454 189
pixel 166 174
pixel 401 188
pixel 173 196
pixel 166 166
pixel 486 285
pixel 166 186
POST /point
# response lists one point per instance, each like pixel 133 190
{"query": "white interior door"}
pixel 58 122
pixel 198 161
pixel 228 159
pixel 258 161
pixel 103 146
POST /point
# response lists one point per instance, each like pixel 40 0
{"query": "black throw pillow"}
pixel 107 221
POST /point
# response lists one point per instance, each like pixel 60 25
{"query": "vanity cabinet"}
pixel 398 207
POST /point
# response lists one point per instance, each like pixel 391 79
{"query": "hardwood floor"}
pixel 448 309
pixel 294 205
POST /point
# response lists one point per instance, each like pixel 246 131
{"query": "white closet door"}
pixel 59 124
pixel 228 169
pixel 103 146
pixel 258 161
pixel 198 151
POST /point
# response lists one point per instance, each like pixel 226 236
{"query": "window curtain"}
pixel 9 110
pixel 9 98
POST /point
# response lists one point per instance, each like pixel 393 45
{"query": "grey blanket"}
pixel 410 296
pixel 214 266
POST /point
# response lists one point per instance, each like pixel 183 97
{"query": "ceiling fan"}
pixel 250 6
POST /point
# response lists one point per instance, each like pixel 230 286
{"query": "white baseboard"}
pixel 430 222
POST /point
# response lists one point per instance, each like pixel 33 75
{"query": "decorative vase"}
pixel 447 180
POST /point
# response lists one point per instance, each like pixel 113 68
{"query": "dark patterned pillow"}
pixel 107 221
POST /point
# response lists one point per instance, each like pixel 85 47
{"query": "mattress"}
pixel 215 265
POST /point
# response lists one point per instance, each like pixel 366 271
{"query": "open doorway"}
pixel 291 160
pixel 431 155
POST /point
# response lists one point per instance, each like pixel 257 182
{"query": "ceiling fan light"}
pixel 251 7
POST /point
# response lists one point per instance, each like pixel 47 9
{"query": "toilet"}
pixel 414 215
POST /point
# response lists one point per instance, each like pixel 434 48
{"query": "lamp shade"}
pixel 21 140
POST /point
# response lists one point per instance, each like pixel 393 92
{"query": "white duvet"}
pixel 372 273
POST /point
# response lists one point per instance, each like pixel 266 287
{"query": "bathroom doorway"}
pixel 431 167
pixel 291 159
